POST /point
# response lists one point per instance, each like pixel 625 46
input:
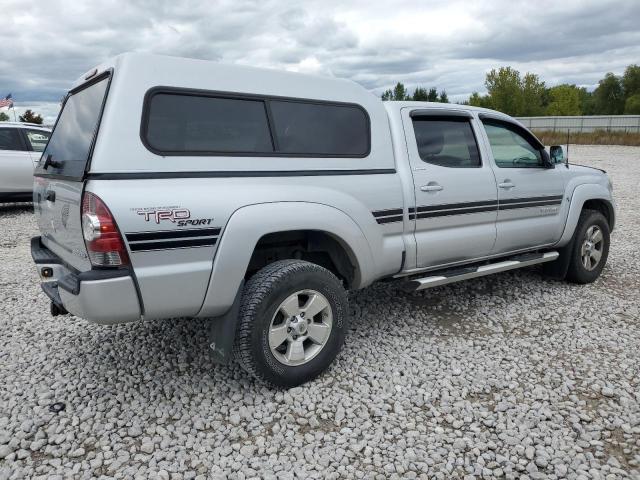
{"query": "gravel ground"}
pixel 511 376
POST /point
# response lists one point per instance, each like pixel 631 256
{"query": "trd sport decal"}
pixel 178 215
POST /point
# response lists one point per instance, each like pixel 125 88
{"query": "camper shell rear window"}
pixel 71 143
pixel 185 122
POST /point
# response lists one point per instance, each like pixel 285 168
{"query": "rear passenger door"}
pixel 530 194
pixel 455 189
pixel 16 167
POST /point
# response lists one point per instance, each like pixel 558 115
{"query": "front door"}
pixel 530 194
pixel 455 191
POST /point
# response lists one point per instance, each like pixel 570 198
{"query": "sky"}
pixel 46 45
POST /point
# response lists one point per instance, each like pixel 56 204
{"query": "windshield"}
pixel 72 137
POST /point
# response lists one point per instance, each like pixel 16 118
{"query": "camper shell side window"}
pixel 184 122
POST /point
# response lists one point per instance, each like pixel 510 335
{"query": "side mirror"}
pixel 557 154
pixel 546 160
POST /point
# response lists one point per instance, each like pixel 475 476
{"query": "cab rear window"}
pixel 73 135
pixel 184 122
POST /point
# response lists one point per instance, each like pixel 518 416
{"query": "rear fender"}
pixel 248 224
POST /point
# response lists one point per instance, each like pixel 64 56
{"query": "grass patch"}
pixel 598 137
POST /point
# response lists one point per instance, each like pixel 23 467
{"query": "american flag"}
pixel 6 102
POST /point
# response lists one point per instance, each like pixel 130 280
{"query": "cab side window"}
pixel 446 141
pixel 10 139
pixel 510 148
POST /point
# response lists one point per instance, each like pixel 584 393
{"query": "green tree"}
pixel 31 117
pixel 443 97
pixel 565 100
pixel 477 100
pixel 533 93
pixel 433 95
pixel 631 80
pixel 503 86
pixel 587 102
pixel 609 96
pixel 632 105
pixel 4 117
pixel 399 92
pixel 515 95
pixel 420 94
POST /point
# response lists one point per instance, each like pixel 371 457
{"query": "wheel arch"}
pixel 603 206
pixel 587 196
pixel 254 226
pixel 316 246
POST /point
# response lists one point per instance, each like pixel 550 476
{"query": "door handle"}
pixel 506 184
pixel 50 196
pixel 431 187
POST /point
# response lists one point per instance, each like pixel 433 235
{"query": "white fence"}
pixel 618 123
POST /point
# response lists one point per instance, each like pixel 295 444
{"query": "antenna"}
pixel 567 155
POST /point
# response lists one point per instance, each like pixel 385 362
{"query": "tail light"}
pixel 101 235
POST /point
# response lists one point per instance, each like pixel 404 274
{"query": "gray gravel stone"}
pixel 510 376
pixel 5 450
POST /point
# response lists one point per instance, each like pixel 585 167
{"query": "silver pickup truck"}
pixel 181 188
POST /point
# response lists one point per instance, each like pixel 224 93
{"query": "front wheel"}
pixel 590 248
pixel 291 323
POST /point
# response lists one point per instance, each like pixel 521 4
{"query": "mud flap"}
pixel 222 331
pixel 558 268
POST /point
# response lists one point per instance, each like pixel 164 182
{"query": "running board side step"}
pixel 457 275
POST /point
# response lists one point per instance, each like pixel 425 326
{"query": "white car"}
pixel 21 145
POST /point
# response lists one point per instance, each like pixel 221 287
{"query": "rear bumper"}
pixel 10 197
pixel 100 296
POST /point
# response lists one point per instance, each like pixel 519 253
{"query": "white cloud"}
pixel 450 45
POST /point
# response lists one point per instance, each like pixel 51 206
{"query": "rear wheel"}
pixel 590 248
pixel 291 323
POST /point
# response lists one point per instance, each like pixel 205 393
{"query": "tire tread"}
pixel 576 272
pixel 255 292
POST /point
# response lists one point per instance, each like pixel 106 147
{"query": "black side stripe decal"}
pixel 433 211
pixel 171 239
pixel 492 204
pixel 389 219
pixel 170 244
pixel 532 199
pixel 529 204
pixel 453 211
pixel 392 215
pixel 198 232
pixel 389 215
pixel 386 213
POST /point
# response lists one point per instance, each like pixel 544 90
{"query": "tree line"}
pixel 29 117
pixel 526 95
pixel 420 94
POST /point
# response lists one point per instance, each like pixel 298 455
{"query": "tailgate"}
pixel 57 206
pixel 59 177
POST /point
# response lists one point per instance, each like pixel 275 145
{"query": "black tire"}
pixel 262 296
pixel 577 272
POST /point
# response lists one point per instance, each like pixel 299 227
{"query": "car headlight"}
pixel 610 185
